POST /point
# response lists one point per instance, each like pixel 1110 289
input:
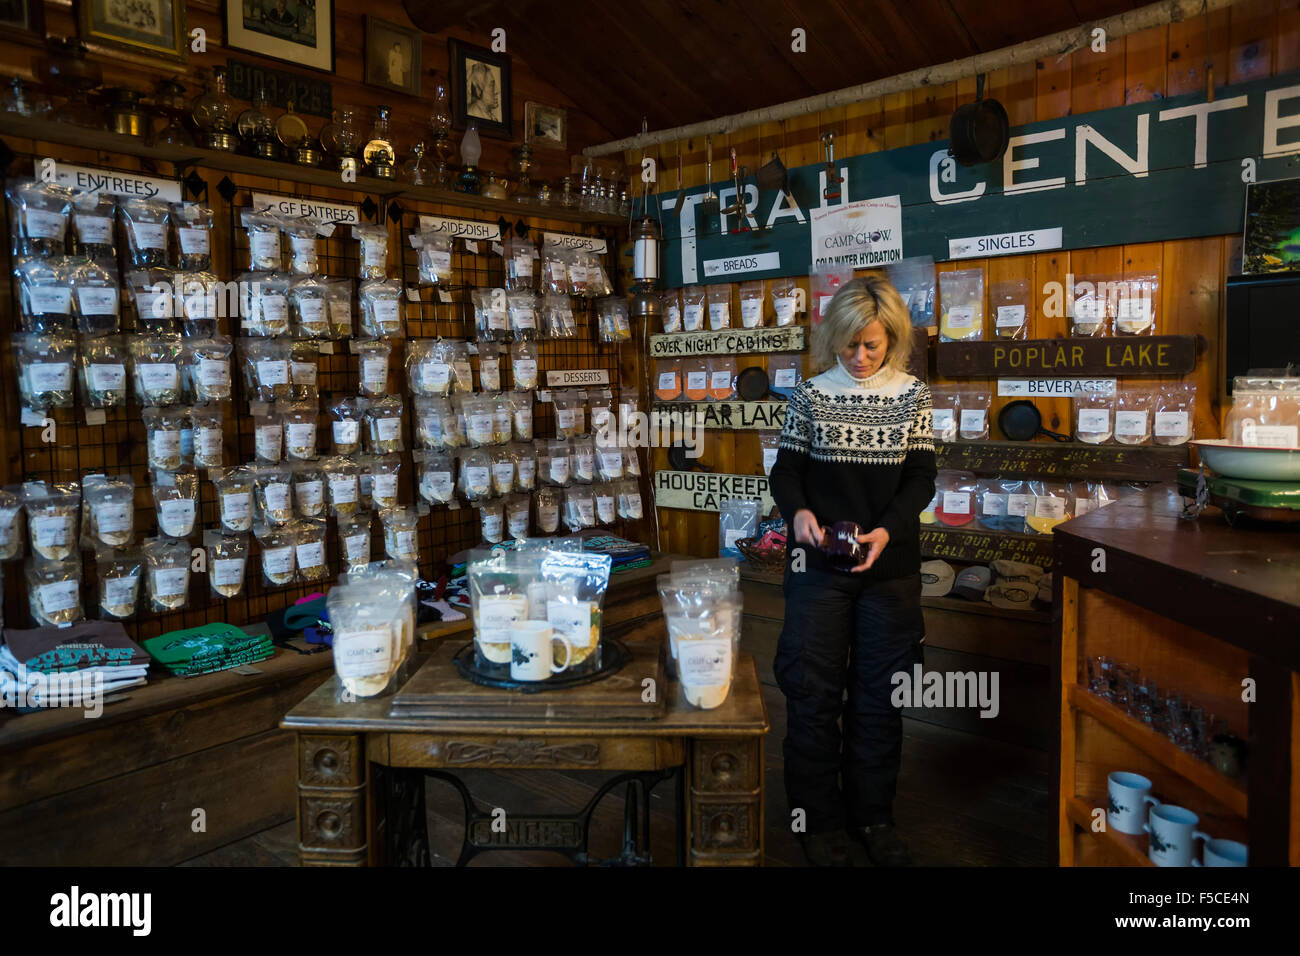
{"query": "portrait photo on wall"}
pixel 545 126
pixel 480 89
pixel 156 27
pixel 392 56
pixel 296 31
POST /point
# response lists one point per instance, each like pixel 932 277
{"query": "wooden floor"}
pixel 962 801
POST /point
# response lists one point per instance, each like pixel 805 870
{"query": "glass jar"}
pixel 214 113
pixel 170 104
pixel 257 129
pixel 1265 412
pixel 493 187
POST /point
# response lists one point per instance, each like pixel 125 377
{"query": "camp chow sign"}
pixel 1167 169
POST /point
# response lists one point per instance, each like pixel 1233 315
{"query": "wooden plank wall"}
pixel 1250 40
pixel 410 114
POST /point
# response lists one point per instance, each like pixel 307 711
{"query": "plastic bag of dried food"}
pixel 546 503
pixel 518 508
pixel 609 459
pixel 304 372
pixel 45 294
pixel 974 403
pixel 118 571
pixel 264 303
pixel 54 591
pixel 162 428
pixel 555 271
pixel 1135 310
pixel 519 255
pixel 475 475
pixel 381 308
pixel 434 472
pixel 557 317
pixel 1091 305
pixel 383 471
pixel 372 355
pixel 1133 408
pixel 1012 308
pixel 606 501
pixel 193 225
pixel 384 425
pixel 209 363
pixel 400 526
pixel 309 489
pixel 201 301
pixel 156 369
pixel 45 365
pixel 268 437
pixel 502 586
pixel 491 315
pixel 175 501
pixel 695 302
pixel 279 565
pixel 491 515
pixel 348 415
pixel 575 592
pixel 503 470
pixel 629 499
pixel 370 641
pixel 145 223
pixel 961 294
pixel 427 371
pixel 671 304
pixel 1094 415
pixel 234 488
pixel 578 263
pixel 704 640
pixel 341 485
pixel 489 367
pixel 102 363
pixel 434 253
pixel 523 315
pixel 1175 410
pixel 209 442
pixel 299 421
pixel 339 296
pixel 309 307
pixel 309 549
pixel 93 215
pixel 738 518
pixel 227 562
pixel 11 522
pixel 95 299
pixel 374 250
pixel 38 216
pixel 582 459
pixel 272 493
pixel 263 227
pixel 109 509
pixel 304 258
pixel 167 562
pixel 266 368
pixel 154 296
pixel 787 299
pixel 354 538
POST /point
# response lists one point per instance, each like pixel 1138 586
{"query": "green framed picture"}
pixel 155 27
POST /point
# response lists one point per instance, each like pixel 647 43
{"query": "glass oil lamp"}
pixel 22 98
pixel 341 139
pixel 521 165
pixel 170 104
pixel 67 71
pixel 214 114
pixel 568 198
pixel 418 170
pixel 471 150
pixel 440 128
pixel 256 128
pixel 125 115
pixel 379 155
pixel 291 130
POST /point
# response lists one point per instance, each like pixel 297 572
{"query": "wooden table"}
pixel 361 772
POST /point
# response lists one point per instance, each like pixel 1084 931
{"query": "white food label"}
pixel 166 444
pixel 719 315
pixel 605 508
pixel 1018 505
pixel 49 376
pixel 404 542
pixel 384 486
pixel 385 311
pixel 312 311
pixel 696 381
pixel 611 462
pixel 599 417
pixel 60 596
pixel 586 512
pixel 275 308
pixel 480 428
pixel 1047 507
pixel 374 253
pixel 264 245
pixel 517 522
pixel 374 372
pixel 301 434
pixel 158 377
pixel 694 317
pixel 1082 506
pixel 168 581
pixel 236 506
pixel 525 372
pixel 302 373
pixel 548 516
pixel 436 374
pixel 994 505
pixel 363 652
pixel 1009 316
pixel 309 494
pixel 208 442
pixel 356 547
pixel 564 418
pixel 559 470
pixel 721 380
pixel 1171 424
pixel 441 260
pixel 491 526
pixel 194 241
pixel 1094 419
pixel 584 464
pixel 956 502
pixel 97 300
pixel 120 591
pixel 94 230
pixel 785 378
pixel 267 439
pixel 1271 436
pixel 278 561
pixel 972 419
pixel 43 224
pixel 440 483
pixel 150 235
pixel 769 459
pixel 944 420
pixel 311 554
pixel 527 471
pixel 153 305
pixel 277 496
pixel 1087 309
pixel 272 372
pixel 572 619
pixel 1133 424
pixel 704 663
pixel 634 505
pixel 46 299
pixel 667 380
pixel 524 318
pixel 107 378
pixel 503 473
pixel 176 515
pixel 476 476
pixel 343 489
pixel 347 432
pixel 214 373
pixel 961 317
pixel 113 516
pixel 751 312
pixel 227 571
pixel 388 429
pixel 303 249
pixel 497 614
pixel 50 531
pixel 463 373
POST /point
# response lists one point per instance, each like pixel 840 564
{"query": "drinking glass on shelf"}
pixel 1100 670
pixel 1148 702
pixel 1175 712
pixel 1198 739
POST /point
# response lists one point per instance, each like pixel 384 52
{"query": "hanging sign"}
pixel 87 179
pixel 703 491
pixel 304 207
pixel 1101 356
pixel 1172 168
pixel 728 415
pixel 568 377
pixel 464 228
pixel 1053 387
pixel 738 265
pixel 568 241
pixel 787 338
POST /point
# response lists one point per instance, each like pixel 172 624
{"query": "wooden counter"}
pixel 1210 611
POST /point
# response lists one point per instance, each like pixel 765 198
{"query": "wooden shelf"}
pixel 1063 460
pixel 981 547
pixel 185 156
pixel 1133 848
pixel 1229 792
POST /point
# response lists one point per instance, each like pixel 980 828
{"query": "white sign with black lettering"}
pixel 567 377
pixel 1053 387
pixel 304 207
pixel 466 228
pixel 738 265
pixel 1005 243
pixel 566 241
pixel 86 179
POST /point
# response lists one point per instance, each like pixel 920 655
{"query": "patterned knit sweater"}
pixel 859 450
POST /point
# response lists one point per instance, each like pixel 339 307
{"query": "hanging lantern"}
pixel 645 251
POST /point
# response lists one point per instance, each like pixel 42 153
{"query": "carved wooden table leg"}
pixel 332 824
pixel 725 793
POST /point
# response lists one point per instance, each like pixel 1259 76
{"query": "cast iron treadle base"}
pixel 613 657
pixel 562 833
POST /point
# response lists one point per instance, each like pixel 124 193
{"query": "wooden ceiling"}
pixel 682 61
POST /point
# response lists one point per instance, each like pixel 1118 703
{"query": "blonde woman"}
pixel 857 446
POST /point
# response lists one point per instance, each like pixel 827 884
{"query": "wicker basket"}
pixel 763 559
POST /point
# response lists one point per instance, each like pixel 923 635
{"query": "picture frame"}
pixel 546 126
pixel 300 32
pixel 480 90
pixel 392 56
pixel 152 27
pixel 23 20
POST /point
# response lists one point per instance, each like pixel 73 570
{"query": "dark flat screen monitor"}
pixel 1262 330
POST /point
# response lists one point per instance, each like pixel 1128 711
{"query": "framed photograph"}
pixel 23 19
pixel 300 32
pixel 155 27
pixel 480 90
pixel 392 56
pixel 546 126
pixel 1272 220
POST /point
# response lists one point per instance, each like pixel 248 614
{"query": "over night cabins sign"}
pixel 1166 169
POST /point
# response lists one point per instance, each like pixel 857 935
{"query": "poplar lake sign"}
pixel 1130 355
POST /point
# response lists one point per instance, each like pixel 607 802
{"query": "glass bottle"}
pixel 521 164
pixel 214 113
pixel 341 139
pixel 379 156
pixel 568 198
pixel 256 128
pixel 23 98
pixel 418 170
pixel 170 100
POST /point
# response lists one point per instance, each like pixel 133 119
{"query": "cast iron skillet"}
pixel 979 131
pixel 752 384
pixel 1021 421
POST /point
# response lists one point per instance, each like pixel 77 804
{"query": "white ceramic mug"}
pixel 1223 853
pixel 1173 833
pixel 532 651
pixel 1129 795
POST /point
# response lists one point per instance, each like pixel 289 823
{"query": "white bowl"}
pixel 1243 461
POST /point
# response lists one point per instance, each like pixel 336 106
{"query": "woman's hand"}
pixel 806 528
pixel 875 541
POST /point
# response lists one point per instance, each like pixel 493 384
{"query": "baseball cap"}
pixel 973 582
pixel 936 578
pixel 1016 571
pixel 1045 589
pixel 1014 595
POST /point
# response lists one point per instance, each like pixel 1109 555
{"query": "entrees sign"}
pixel 1166 169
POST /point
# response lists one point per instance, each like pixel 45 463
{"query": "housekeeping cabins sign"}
pixel 1168 169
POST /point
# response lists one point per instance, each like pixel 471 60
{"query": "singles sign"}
pixel 1166 169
